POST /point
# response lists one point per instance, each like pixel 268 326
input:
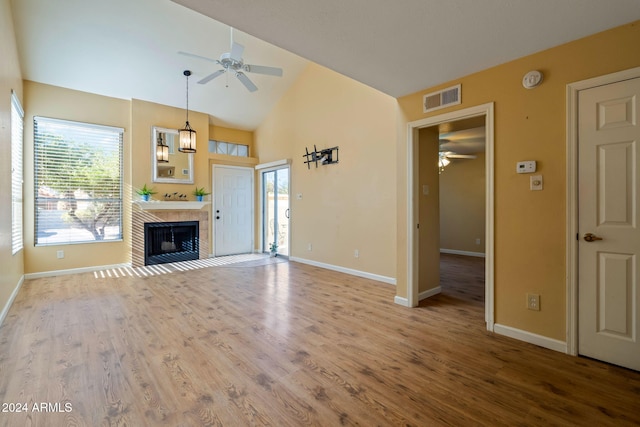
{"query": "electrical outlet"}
pixel 309 247
pixel 477 241
pixel 356 253
pixel 60 254
pixel 533 302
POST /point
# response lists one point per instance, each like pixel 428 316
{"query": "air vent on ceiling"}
pixel 442 98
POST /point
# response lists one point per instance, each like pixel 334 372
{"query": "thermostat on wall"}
pixel 528 166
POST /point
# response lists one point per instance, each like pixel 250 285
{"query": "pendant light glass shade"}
pixel 187 139
pixel 162 151
pixel 187 135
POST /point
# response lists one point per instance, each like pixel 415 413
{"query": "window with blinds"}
pixel 78 182
pixel 17 178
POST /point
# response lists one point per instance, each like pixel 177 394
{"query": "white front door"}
pixel 232 210
pixel 608 160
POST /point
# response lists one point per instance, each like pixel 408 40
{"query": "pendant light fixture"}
pixel 187 135
pixel 162 150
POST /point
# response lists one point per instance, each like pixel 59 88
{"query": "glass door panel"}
pixel 275 216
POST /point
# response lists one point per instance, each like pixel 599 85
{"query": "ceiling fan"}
pixel 232 63
pixel 445 156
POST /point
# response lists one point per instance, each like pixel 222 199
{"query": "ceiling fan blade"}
pixel 193 55
pixel 212 76
pixel 262 69
pixel 461 156
pixel 236 52
pixel 246 82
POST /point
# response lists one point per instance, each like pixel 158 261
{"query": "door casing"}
pixel 214 169
pixel 573 90
pixel 266 167
pixel 486 110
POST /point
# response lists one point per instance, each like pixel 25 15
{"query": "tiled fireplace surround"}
pixel 140 217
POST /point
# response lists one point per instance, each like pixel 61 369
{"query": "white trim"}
pixel 531 338
pixel 465 253
pixel 12 297
pixel 366 275
pixel 155 205
pixel 573 90
pixel 273 165
pixel 401 301
pixel 74 271
pixel 65 122
pixel 269 167
pixel 429 293
pixel 486 110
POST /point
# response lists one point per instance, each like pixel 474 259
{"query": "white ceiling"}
pixel 128 48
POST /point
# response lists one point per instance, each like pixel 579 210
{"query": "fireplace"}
pixel 171 242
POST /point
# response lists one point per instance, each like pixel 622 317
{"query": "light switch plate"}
pixel 535 182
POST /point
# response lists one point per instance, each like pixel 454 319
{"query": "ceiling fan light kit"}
pixel 187 134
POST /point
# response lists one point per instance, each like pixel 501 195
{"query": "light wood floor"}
pixel 287 344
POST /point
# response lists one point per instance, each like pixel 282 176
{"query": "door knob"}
pixel 590 237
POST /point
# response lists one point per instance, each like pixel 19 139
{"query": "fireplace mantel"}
pixel 154 205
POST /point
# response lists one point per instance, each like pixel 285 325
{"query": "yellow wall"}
pixel 344 206
pixel 220 133
pixel 145 115
pixel 529 125
pixel 60 103
pixel 462 205
pixel 11 266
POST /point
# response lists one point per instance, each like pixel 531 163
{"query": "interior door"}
pixel 609 248
pixel 232 210
pixel 276 210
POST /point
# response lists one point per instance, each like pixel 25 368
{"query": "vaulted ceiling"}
pixel 129 48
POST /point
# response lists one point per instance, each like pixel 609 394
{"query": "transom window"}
pixel 78 182
pixel 228 148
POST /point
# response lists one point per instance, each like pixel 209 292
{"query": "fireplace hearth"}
pixel 171 242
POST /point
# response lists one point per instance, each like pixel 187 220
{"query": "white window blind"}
pixel 78 182
pixel 17 178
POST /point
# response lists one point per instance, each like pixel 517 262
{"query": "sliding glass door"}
pixel 275 210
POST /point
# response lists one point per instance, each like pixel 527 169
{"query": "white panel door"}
pixel 609 248
pixel 232 210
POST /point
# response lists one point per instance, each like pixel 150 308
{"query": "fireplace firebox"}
pixel 170 242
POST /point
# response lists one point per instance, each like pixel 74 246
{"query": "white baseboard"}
pixel 74 271
pixel 539 340
pixel 9 303
pixel 429 293
pixel 401 301
pixel 366 275
pixel 465 253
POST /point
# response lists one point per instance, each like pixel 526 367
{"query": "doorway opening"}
pixel 423 213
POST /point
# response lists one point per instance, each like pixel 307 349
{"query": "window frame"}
pixel 95 144
pixel 17 175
